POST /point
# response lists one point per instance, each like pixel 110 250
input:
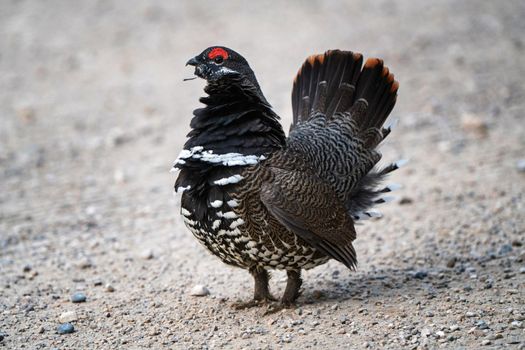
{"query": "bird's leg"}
pixel 261 293
pixel 291 293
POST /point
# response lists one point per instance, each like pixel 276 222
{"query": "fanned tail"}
pixel 334 82
pixel 338 85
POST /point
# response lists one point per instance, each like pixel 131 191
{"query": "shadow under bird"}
pixel 260 200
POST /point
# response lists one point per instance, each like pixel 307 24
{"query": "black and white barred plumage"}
pixel 259 200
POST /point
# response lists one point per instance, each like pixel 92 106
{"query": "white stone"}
pixel 109 288
pixel 199 291
pixel 68 316
pixel 454 328
pixel 147 254
pixel 119 176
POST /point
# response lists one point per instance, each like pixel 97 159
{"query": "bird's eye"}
pixel 218 59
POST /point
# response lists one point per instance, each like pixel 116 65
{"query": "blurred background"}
pixel 93 111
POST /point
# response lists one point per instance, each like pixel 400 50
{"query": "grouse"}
pixel 260 200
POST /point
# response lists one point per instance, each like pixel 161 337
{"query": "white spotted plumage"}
pixel 208 156
pixel 216 203
pixel 232 203
pixel 228 180
pixel 236 223
pixel 181 189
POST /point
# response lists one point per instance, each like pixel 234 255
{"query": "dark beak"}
pixel 192 62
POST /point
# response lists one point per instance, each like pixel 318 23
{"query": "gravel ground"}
pixel 93 112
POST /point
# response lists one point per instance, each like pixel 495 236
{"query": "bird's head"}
pixel 218 62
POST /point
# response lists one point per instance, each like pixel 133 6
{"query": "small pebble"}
pixel 505 249
pixel 522 269
pixel 454 328
pixel 78 297
pixel 520 165
pixel 110 288
pixel 84 263
pixel 154 332
pixel 488 284
pixel 470 314
pixel 147 254
pixel 65 328
pixel 440 334
pixel 513 340
pixel 426 332
pixel 27 268
pixel 482 324
pixel 29 307
pixel 199 291
pixel 451 262
pixel 472 123
pixel 26 114
pixel 68 316
pixel 420 275
pixel 317 294
pixel 119 176
pixel 406 201
pixel 486 342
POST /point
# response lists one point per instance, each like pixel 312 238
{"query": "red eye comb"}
pixel 218 52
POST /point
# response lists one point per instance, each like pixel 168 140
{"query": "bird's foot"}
pixel 241 305
pixel 276 307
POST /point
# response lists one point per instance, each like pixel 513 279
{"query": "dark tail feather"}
pixel 393 166
pixel 326 83
pixel 346 99
pixel 320 98
pixel 376 86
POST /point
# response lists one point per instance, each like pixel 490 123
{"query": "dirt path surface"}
pixel 93 111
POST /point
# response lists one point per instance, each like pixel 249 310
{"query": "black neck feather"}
pixel 236 119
